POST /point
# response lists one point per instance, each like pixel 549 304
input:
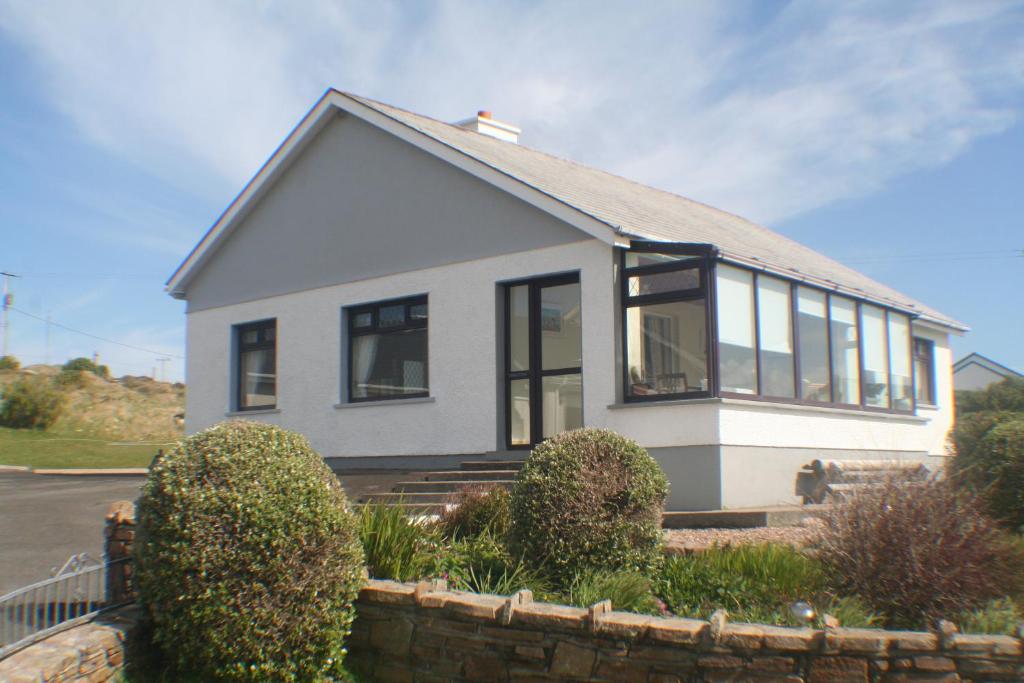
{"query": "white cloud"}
pixel 765 113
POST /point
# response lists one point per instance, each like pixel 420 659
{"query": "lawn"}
pixel 71 450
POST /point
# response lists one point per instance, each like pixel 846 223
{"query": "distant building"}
pixel 974 371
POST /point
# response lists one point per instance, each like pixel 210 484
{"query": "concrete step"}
pixel 433 498
pixel 472 475
pixel 742 518
pixel 446 486
pixel 471 465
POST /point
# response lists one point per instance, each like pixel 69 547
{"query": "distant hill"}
pixel 126 408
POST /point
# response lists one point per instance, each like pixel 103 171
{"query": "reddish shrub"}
pixel 916 551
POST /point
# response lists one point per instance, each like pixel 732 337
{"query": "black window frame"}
pixel 535 373
pixel 241 347
pixel 931 399
pixel 794 287
pixel 709 292
pixel 373 308
pixel 705 264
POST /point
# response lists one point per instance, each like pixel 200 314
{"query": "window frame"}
pixel 373 308
pixel 705 263
pixel 932 399
pixel 241 348
pixel 708 290
pixel 794 286
pixel 536 373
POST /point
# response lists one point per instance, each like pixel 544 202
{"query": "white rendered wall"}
pixel 461 345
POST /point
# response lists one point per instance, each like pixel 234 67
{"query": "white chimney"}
pixel 483 123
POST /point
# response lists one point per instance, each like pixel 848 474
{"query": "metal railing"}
pixel 75 594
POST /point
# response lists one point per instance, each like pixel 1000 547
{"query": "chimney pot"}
pixel 484 114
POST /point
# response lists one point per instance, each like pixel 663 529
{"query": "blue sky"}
pixel 888 135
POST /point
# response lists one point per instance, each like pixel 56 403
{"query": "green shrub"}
pixel 397 546
pixel 247 556
pixel 1005 395
pixel 86 365
pixel 31 403
pixel 482 564
pixel 589 499
pixel 1004 495
pixel 9 363
pixel 476 510
pixel 628 591
pixel 916 551
pixel 751 582
pixel 1001 616
pixel 990 462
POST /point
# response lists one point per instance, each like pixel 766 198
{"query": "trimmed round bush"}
pixel 917 551
pixel 9 363
pixel 31 403
pixel 247 557
pixel 589 499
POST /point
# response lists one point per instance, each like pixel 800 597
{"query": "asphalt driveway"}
pixel 45 519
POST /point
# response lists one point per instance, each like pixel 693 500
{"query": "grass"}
pixel 32 448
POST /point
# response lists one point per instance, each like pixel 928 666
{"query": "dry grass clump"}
pixel 917 551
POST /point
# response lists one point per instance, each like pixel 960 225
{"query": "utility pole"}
pixel 47 361
pixel 6 301
pixel 163 368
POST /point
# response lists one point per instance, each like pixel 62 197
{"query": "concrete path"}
pixel 46 519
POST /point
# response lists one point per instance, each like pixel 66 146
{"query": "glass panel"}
pixel 519 412
pixel 259 379
pixel 813 339
pixel 250 336
pixel 362 320
pixel 845 352
pixel 519 328
pixel 666 348
pixel 924 369
pixel 776 329
pixel 388 365
pixel 899 358
pixel 269 333
pixel 736 353
pixel 418 312
pixel 561 338
pixel 563 403
pixel 876 364
pixel 637 258
pixel 674 281
pixel 391 316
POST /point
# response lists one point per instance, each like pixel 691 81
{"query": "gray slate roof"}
pixel 644 212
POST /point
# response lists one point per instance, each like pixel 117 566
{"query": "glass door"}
pixel 543 359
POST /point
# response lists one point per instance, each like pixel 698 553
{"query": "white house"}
pixel 407 292
pixel 974 371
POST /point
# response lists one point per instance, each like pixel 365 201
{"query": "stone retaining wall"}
pixel 92 652
pixel 406 633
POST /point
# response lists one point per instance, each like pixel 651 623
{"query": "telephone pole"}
pixel 5 303
pixel 163 368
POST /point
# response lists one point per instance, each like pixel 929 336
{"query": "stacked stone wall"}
pixel 421 633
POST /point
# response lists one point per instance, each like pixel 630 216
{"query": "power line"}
pixel 93 336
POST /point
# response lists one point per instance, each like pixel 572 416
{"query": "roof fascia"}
pixel 333 101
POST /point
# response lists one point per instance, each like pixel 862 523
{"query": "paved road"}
pixel 45 519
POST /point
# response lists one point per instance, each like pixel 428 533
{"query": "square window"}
pixel 388 360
